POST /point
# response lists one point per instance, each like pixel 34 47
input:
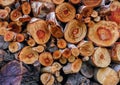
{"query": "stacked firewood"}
pixel 59 42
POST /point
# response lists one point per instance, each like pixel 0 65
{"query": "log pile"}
pixel 59 42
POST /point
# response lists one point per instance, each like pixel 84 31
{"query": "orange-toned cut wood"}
pixel 57 54
pixel 91 3
pixel 75 1
pixel 28 56
pixel 9 36
pixel 31 42
pixel 104 33
pixel 15 15
pixel 46 59
pixel 75 31
pixel 57 1
pixel 20 37
pixel 3 14
pixel 65 12
pixel 61 43
pixel 66 53
pixel 26 8
pixel 6 2
pixel 39 31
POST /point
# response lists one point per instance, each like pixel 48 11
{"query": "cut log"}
pixel 115 52
pixel 86 48
pixel 66 53
pixel 87 70
pixel 71 59
pixel 73 67
pixel 65 12
pixel 28 56
pixel 15 27
pixel 57 1
pixel 75 1
pixel 3 14
pixel 15 47
pixel 26 8
pixel 106 76
pixel 15 15
pixel 57 54
pixel 75 31
pixel 46 59
pixel 6 2
pixel 47 79
pixel 20 37
pixel 101 57
pixel 61 43
pixel 39 31
pixel 56 67
pixel 31 42
pixel 91 3
pixel 63 60
pixel 104 33
pixel 9 36
pixel 39 48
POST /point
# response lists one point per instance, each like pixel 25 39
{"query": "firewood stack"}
pixel 59 42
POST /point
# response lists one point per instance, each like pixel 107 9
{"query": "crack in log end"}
pixel 40 34
pixel 104 34
pixel 75 31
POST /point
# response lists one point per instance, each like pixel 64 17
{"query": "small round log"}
pixel 86 48
pixel 39 48
pixel 9 36
pixel 26 8
pixel 28 56
pixel 15 47
pixel 75 31
pixel 106 76
pixel 47 79
pixel 20 37
pixel 63 60
pixel 104 33
pixel 56 67
pixel 101 57
pixel 61 43
pixel 66 53
pixel 3 14
pixel 65 12
pixel 46 59
pixel 31 42
pixel 57 54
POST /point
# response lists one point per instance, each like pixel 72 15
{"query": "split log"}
pixel 86 48
pixel 41 9
pixel 104 33
pixel 75 31
pixel 12 73
pixel 65 12
pixel 46 59
pixel 28 56
pixel 15 47
pixel 6 2
pixel 106 76
pixel 87 70
pixel 91 3
pixel 57 2
pixel 47 79
pixel 115 52
pixel 39 31
pixel 101 57
pixel 26 8
pixel 114 15
pixel 73 67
